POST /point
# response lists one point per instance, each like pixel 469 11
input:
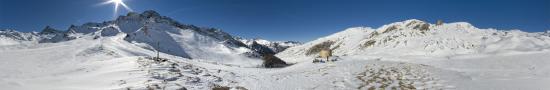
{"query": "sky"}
pixel 297 20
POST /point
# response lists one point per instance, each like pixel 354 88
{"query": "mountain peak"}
pixel 147 13
pixel 49 30
pixel 150 13
pixel 419 25
pixel 407 24
pixel 149 16
pixel 412 21
pixel 461 25
pixel 416 37
pixel 8 31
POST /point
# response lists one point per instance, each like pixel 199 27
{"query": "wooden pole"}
pixel 158 46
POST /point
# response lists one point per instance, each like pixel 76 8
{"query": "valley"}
pixel 407 55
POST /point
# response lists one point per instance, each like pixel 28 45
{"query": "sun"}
pixel 117 3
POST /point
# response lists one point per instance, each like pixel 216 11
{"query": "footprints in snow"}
pixel 177 75
pixel 398 76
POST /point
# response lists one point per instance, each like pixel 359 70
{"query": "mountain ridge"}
pixel 415 37
pixel 155 32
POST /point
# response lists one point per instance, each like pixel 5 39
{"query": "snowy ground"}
pixel 111 63
pixel 526 71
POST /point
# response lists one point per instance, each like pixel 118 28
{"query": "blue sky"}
pixel 301 20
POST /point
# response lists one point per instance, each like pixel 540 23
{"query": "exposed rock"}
pixel 317 48
pixel 221 88
pixel 390 29
pixel 275 46
pixel 261 49
pixel 271 61
pixel 50 30
pixel 369 43
pixel 240 88
pixel 422 27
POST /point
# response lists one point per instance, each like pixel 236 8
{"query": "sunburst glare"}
pixel 117 3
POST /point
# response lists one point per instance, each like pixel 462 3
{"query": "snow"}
pixel 60 64
pixel 405 55
pixel 11 37
pixel 276 46
pixel 89 64
pixel 438 41
pixel 511 71
pixel 460 72
pixel 459 55
pixel 353 36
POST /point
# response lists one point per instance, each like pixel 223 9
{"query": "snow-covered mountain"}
pixel 113 55
pixel 12 37
pixel 404 55
pixel 273 46
pixel 152 31
pixel 547 33
pixel 418 38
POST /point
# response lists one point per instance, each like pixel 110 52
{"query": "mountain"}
pixel 117 55
pixel 151 31
pixel 407 55
pixel 12 37
pixel 547 33
pixel 418 38
pixel 269 47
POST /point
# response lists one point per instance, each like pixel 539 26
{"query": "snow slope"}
pixel 404 55
pixel 529 71
pixel 65 65
pixel 418 38
pixel 187 41
pixel 150 31
pixel 12 37
pixel 112 55
pixel 90 64
pixel 449 56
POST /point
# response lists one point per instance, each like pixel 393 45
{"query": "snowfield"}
pixel 408 55
pixel 100 70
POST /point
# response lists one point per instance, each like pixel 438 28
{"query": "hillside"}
pixel 418 38
pixel 407 55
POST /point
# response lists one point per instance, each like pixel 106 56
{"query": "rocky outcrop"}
pixel 273 46
pixel 415 37
pixel 271 61
pixel 317 48
pixel 50 30
pixel 261 49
